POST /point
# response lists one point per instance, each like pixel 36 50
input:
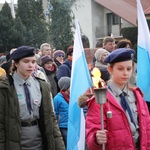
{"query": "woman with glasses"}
pixel 64 70
pixel 58 56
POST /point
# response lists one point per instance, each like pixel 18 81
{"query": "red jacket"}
pixel 119 136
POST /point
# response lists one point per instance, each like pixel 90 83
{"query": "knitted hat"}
pixel 58 53
pixel 45 59
pixel 99 53
pixel 64 83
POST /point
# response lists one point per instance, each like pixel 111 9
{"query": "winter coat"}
pixel 10 126
pixel 52 79
pixel 64 70
pixel 61 110
pixel 119 135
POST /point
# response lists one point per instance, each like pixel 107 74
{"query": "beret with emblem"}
pixel 22 51
pixel 119 55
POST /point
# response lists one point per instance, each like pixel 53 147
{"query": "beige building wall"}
pixel 93 20
pixel 83 13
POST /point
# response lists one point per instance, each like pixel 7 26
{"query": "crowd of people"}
pixel 35 94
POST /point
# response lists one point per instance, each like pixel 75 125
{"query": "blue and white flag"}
pixel 80 82
pixel 143 53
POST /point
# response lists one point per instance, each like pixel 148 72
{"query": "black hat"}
pixel 22 51
pixel 118 55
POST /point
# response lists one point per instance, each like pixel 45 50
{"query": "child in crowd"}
pixel 61 105
pixel 129 126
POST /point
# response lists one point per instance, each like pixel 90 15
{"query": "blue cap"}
pixel 22 51
pixel 119 55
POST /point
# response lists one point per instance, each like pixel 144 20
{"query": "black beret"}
pixel 22 51
pixel 119 55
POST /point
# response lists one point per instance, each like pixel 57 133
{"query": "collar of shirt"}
pixel 116 90
pixel 20 81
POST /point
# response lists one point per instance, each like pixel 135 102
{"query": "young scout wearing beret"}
pixel 27 119
pixel 128 127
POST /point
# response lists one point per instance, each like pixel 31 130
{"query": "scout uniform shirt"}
pixel 30 136
pixel 131 101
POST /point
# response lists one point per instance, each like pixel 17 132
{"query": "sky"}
pixel 8 1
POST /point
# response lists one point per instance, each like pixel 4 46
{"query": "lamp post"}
pixel 100 94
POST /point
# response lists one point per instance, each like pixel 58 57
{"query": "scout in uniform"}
pixel 27 120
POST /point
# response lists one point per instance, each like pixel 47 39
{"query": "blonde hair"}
pixel 13 68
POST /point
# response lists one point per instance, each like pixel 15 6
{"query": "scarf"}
pixel 66 96
pixel 100 64
pixel 51 71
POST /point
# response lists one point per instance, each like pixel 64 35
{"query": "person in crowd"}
pixel 125 113
pixel 2 60
pixel 45 49
pixel 99 44
pixel 61 105
pixel 109 43
pixel 100 55
pixel 64 70
pixel 6 66
pixel 50 69
pixel 27 120
pixel 58 56
pixel 124 43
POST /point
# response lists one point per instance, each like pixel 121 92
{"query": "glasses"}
pixel 60 55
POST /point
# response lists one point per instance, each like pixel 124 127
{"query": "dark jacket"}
pixel 10 119
pixel 51 76
pixel 64 70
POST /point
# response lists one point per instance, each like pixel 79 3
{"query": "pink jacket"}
pixel 119 135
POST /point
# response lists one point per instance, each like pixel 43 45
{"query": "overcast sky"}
pixel 8 1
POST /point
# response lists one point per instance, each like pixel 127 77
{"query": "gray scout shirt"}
pixel 35 95
pixel 132 104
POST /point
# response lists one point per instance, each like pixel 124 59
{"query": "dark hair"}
pixel 123 43
pixel 99 44
pixel 70 50
pixel 108 39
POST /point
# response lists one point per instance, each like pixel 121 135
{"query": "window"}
pixel 116 19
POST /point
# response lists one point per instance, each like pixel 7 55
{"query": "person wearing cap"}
pixel 100 55
pixel 61 105
pixel 64 70
pixel 27 120
pixel 58 56
pixel 125 113
pixel 50 69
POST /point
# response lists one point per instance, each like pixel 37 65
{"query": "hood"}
pixel 83 99
pixel 4 83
